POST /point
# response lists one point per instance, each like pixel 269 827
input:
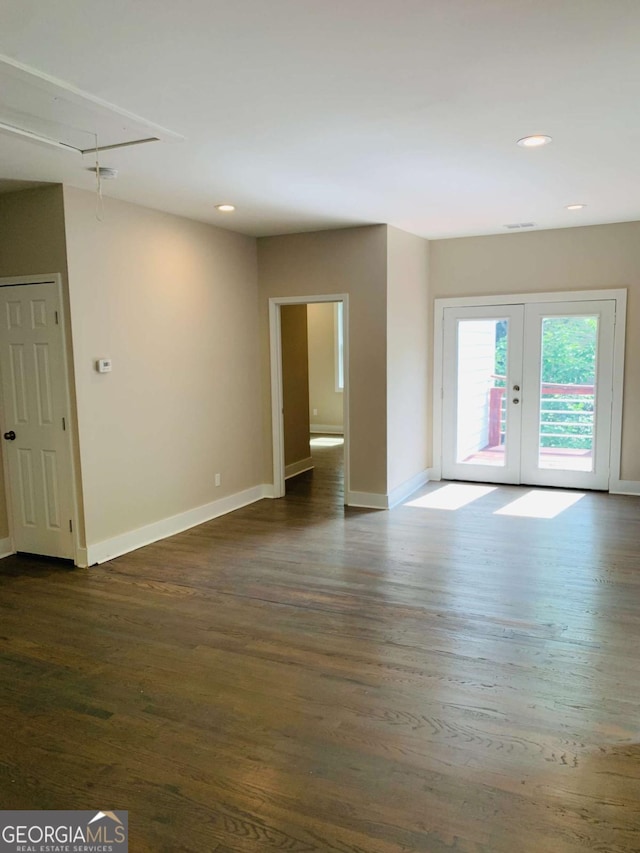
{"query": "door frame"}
pixel 618 295
pixel 277 421
pixel 80 551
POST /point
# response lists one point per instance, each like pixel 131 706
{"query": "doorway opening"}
pixel 323 483
pixel 310 396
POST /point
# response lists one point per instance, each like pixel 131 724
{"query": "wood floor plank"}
pixel 300 677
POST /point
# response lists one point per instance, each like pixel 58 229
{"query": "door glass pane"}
pixel 567 393
pixel 481 403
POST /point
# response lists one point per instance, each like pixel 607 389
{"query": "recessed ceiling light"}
pixel 575 206
pixel 534 141
pixel 225 208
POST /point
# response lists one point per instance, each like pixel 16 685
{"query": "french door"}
pixel 527 393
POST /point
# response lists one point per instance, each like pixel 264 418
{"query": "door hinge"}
pixel 64 424
pixel 70 526
pixel 57 320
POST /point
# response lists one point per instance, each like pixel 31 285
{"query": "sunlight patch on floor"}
pixel 541 504
pixel 326 441
pixel 453 496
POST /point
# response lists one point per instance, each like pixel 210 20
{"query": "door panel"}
pixel 18 390
pixel 43 382
pixel 34 393
pixel 568 376
pixel 51 491
pixel 483 359
pixel 27 493
pixel 527 392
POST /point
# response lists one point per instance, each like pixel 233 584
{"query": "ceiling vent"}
pixel 43 109
pixel 514 226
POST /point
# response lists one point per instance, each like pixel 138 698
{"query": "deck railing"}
pixel 566 416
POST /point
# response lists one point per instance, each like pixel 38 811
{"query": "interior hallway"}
pixel 325 483
pixel 296 676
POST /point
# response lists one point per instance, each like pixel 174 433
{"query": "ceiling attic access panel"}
pixel 44 109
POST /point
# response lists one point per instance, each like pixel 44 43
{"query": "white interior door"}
pixel 35 420
pixel 527 393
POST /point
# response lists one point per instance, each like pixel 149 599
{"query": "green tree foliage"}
pixel 568 350
pixel 569 347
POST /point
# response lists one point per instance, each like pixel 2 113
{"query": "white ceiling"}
pixel 324 114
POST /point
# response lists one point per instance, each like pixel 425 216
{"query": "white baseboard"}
pixel 402 492
pixel 367 500
pixel 331 429
pixel 371 500
pixel 108 549
pixel 6 548
pixel 624 487
pixel 298 467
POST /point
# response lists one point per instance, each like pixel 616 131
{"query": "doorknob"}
pixel 10 436
pixel 516 400
pixel 516 387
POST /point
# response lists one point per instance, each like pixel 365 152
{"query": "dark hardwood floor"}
pixel 296 677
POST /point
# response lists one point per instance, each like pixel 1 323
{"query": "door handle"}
pixel 516 387
pixel 10 436
pixel 516 400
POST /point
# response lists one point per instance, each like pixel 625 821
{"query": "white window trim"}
pixel 338 346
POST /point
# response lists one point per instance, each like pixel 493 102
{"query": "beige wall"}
pixel 295 383
pixel 409 342
pixel 595 257
pixel 174 304
pixel 322 366
pixel 32 241
pixel 352 261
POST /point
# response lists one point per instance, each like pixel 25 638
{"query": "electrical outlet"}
pixel 217 479
pixel 315 411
